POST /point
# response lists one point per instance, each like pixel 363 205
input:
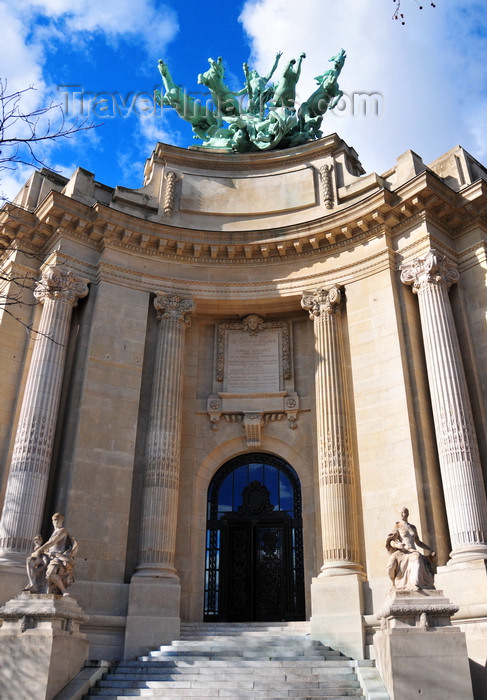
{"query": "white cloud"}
pixel 24 40
pixel 154 25
pixel 430 72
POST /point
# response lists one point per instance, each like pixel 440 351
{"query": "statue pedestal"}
pixel 41 648
pixel 418 651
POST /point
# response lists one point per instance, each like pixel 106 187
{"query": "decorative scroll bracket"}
pixel 231 407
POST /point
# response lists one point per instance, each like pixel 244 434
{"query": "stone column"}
pixel 153 615
pixel 161 480
pixel 335 458
pixel 466 505
pixel 336 594
pixel 58 291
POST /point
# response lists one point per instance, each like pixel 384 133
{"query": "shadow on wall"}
pixel 479 680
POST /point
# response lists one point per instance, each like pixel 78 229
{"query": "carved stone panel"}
pixel 253 371
pixel 253 355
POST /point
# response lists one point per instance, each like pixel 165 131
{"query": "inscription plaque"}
pixel 252 362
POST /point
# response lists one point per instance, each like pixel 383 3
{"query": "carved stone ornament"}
pixel 60 284
pixel 256 499
pixel 433 268
pixel 253 421
pixel 327 185
pixel 173 306
pixel 253 324
pixel 171 178
pixel 323 301
pixel 408 609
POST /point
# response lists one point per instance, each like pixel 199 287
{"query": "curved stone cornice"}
pixel 210 159
pixel 103 225
pixel 62 285
pixel 433 268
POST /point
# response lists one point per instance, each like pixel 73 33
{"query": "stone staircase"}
pixel 239 661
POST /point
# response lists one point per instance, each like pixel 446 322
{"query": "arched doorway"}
pixel 254 542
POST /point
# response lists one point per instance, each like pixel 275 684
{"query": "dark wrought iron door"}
pixel 254 542
pixel 256 560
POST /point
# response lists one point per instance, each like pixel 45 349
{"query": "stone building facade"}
pixel 240 372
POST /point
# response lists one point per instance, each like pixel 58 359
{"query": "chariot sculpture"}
pixel 259 117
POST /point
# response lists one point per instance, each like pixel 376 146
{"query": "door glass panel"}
pixel 225 500
pixel 256 472
pixel 271 481
pixel 285 494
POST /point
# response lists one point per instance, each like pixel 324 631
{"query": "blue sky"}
pixel 430 75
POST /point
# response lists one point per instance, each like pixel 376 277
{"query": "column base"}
pixel 14 561
pixel 466 554
pixel 41 648
pixel 153 616
pixel 418 651
pixel 156 571
pixel 336 612
pixel 341 568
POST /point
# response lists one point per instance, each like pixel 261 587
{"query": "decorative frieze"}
pixel 466 505
pixel 272 409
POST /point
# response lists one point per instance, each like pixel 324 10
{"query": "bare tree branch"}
pixel 23 133
pixel 23 130
pixel 400 15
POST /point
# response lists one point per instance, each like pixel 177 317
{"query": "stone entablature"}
pixel 337 205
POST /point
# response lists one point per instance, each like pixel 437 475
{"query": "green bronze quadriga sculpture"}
pixel 262 115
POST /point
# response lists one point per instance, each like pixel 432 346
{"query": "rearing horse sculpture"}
pixel 223 98
pixel 201 119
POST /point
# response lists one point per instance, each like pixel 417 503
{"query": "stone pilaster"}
pixel 335 458
pixel 466 505
pixel 161 481
pixel 58 291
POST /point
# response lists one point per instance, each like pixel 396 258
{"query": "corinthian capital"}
pixel 172 306
pixel 57 283
pixel 432 268
pixel 323 301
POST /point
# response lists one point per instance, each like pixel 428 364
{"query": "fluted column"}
pixel 466 505
pixel 161 479
pixel 337 479
pixel 58 291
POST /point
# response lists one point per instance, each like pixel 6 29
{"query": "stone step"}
pixel 203 674
pixel 246 682
pixel 234 696
pixel 147 662
pixel 275 661
pixel 222 653
pixel 273 694
pixel 234 640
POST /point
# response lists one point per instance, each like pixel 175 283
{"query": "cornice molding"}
pixel 210 159
pixel 424 198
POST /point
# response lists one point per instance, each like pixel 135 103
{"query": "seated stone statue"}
pixel 57 555
pixel 36 569
pixel 408 569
